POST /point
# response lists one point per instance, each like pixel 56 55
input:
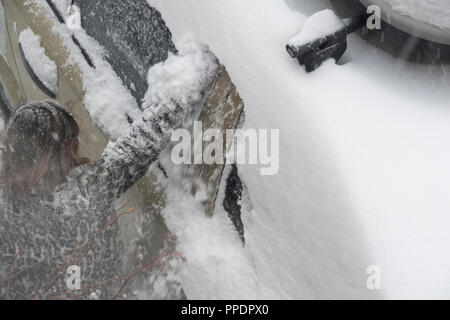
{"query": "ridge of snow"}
pixel 44 68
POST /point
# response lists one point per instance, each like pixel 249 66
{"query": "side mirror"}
pixel 316 43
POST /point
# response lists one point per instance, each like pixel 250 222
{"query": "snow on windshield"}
pixel 43 67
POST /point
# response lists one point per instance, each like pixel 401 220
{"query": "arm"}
pixel 127 159
pixel 175 87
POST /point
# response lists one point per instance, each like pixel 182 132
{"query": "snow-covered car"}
pixel 362 191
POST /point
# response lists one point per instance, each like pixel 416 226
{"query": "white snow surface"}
pixel 3 42
pixel 319 25
pixel 363 177
pixel 44 68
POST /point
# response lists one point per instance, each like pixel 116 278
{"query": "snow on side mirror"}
pixel 42 69
pixel 323 36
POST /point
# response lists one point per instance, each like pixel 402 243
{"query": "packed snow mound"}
pixel 431 12
pixel 182 78
pixel 317 26
pixel 43 67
